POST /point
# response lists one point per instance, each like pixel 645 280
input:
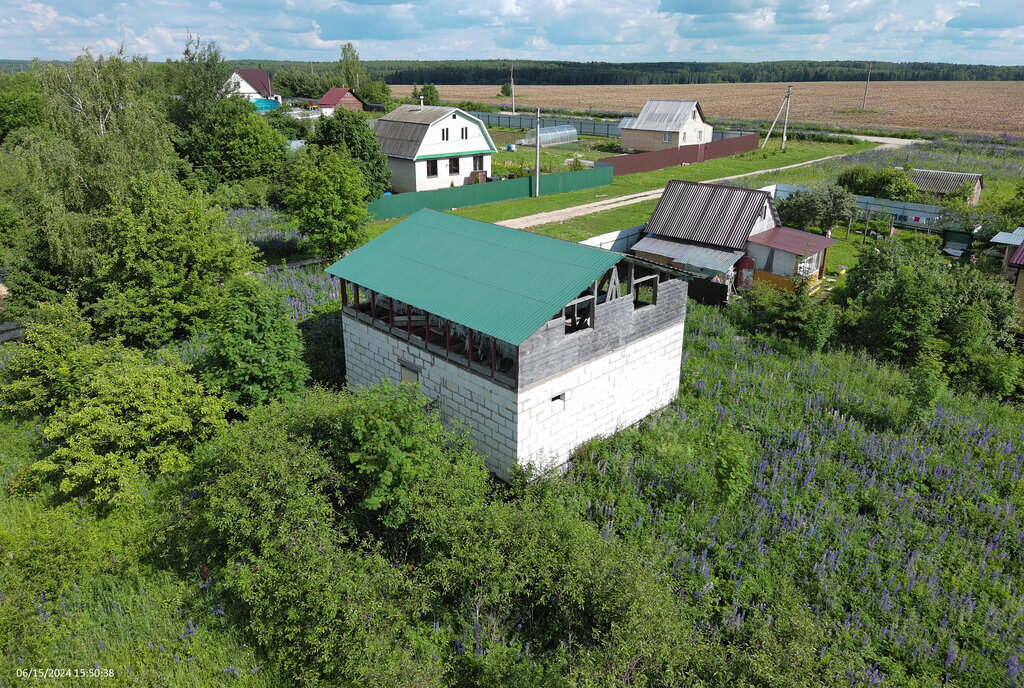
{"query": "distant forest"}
pixel 535 72
pixel 549 72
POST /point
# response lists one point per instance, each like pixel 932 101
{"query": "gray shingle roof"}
pixel 709 214
pixel 663 115
pixel 402 130
pixel 939 181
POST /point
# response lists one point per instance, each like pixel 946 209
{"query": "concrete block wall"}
pixel 487 409
pixel 550 351
pixel 599 397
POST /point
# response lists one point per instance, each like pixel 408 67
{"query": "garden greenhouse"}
pixel 550 136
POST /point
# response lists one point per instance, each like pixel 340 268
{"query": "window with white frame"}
pixel 666 137
pixel 465 133
pixel 444 134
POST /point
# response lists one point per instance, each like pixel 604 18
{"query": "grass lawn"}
pixel 772 156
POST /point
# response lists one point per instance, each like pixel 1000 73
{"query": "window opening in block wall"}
pixel 409 374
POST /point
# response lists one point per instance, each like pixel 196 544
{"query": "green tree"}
pixel 801 209
pixel 506 90
pixel 326 194
pixel 348 131
pixel 54 362
pixel 892 184
pixel 349 69
pixel 132 420
pixel 430 95
pixel 237 143
pixel 21 103
pixel 197 83
pixel 837 205
pixel 253 354
pixel 168 259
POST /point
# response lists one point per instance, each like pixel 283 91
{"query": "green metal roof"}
pixel 503 282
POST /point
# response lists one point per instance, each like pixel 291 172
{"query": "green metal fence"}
pixel 400 205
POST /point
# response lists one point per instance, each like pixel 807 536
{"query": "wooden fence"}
pixel 684 155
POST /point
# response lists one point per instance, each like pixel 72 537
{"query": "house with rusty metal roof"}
pixel 434 147
pixel 534 344
pixel 251 84
pixel 665 124
pixel 340 98
pixel 939 183
pixel 725 237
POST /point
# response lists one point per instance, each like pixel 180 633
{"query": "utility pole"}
pixel 775 121
pixel 864 105
pixel 536 168
pixel 785 124
pixel 512 83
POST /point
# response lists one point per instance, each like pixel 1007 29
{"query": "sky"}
pixel 964 31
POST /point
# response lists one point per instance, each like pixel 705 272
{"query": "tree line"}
pixel 563 72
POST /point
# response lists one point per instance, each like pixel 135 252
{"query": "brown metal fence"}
pixel 684 155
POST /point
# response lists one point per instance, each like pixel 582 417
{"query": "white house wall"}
pixel 434 143
pixel 444 179
pixel 598 397
pixel 766 221
pixel 238 86
pixel 487 409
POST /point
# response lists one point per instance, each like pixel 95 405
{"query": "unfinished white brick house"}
pixel 535 344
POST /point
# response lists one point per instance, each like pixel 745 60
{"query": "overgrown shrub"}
pixel 253 353
pixel 54 362
pixel 131 421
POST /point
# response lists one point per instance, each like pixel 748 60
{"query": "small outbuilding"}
pixel 434 147
pixel 939 183
pixel 535 344
pixel 1007 243
pixel 251 84
pixel 709 231
pixel 665 124
pixel 340 97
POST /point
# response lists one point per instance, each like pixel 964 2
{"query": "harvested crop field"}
pixel 974 106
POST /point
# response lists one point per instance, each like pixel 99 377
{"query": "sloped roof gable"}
pixel 709 214
pixel 663 115
pixel 259 80
pixel 334 96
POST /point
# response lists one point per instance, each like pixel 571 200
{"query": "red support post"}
pixel 373 308
pixel 517 367
pixel 344 293
pixel 355 290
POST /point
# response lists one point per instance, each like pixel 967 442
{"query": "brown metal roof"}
pixel 1017 260
pixel 259 80
pixel 334 96
pixel 793 241
pixel 709 213
pixel 939 181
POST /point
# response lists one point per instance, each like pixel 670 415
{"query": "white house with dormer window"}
pixel 432 147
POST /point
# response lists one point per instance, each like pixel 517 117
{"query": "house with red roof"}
pixel 251 84
pixel 340 98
